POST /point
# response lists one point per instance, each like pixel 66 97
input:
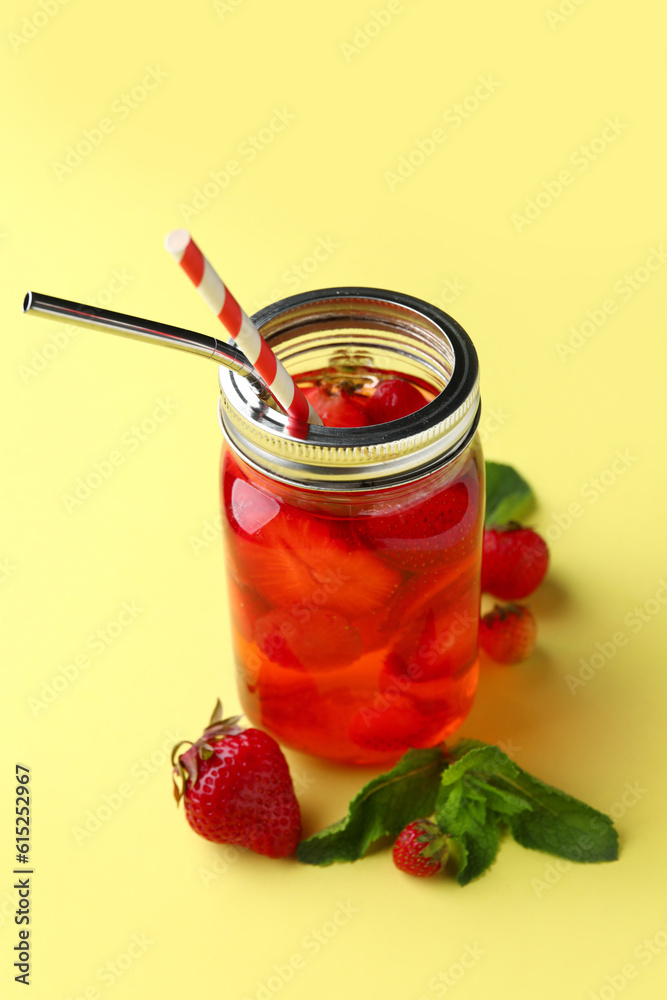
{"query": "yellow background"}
pixel 142 907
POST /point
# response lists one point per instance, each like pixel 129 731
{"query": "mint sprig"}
pixel 477 793
pixel 382 808
pixel 508 495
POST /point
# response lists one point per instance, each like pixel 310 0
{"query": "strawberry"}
pixel 237 789
pixel 416 536
pixel 299 561
pixel 434 617
pixel 392 725
pixel 324 641
pixel 507 634
pixel 421 849
pixel 394 398
pixel 514 562
pixel 272 696
pixel 336 406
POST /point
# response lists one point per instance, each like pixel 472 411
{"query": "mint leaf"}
pixel 562 825
pixel 500 800
pixel 508 495
pixel 461 810
pixel 478 849
pixel 383 807
pixel 551 820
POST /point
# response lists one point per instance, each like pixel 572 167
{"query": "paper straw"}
pixel 217 296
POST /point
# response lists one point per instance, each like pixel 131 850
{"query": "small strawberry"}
pixel 421 849
pixel 394 398
pixel 507 634
pixel 514 562
pixel 237 788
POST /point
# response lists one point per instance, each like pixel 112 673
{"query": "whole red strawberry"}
pixel 507 634
pixel 237 788
pixel 514 561
pixel 421 849
pixel 336 406
pixel 394 398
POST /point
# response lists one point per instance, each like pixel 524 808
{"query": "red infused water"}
pixel 354 548
pixel 355 614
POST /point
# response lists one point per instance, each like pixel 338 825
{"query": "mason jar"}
pixel 353 553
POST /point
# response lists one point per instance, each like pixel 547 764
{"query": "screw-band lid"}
pixel 386 330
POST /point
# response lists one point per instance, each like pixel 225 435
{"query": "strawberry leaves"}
pixel 477 793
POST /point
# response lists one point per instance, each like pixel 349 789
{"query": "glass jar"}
pixel 354 554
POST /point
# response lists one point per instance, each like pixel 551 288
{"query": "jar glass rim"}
pixel 402 326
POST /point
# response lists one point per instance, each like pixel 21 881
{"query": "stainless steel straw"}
pixel 149 332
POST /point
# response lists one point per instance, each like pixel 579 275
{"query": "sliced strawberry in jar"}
pixel 274 571
pixel 336 406
pixel 392 727
pixel 298 560
pixel 325 641
pixel 435 619
pixel 272 695
pixel 415 536
pixel 392 399
pixel 272 632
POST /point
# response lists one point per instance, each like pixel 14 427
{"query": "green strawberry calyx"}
pixel 185 765
pixel 436 843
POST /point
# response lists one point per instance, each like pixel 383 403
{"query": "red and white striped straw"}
pixel 217 296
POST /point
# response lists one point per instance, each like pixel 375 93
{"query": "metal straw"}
pixel 149 332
